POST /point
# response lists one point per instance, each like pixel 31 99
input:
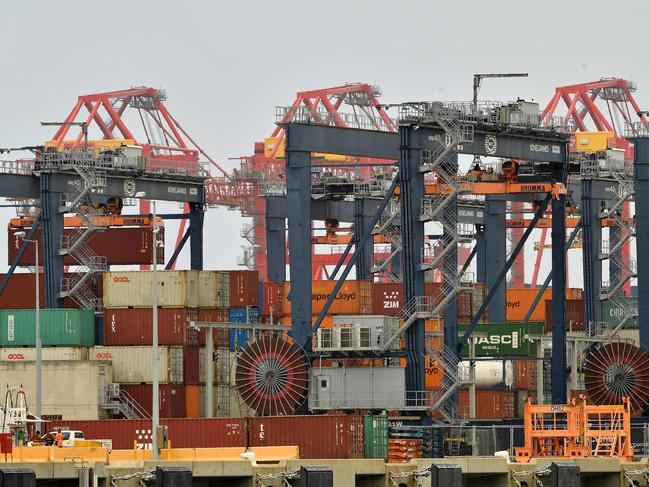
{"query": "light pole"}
pixel 39 345
pixel 155 399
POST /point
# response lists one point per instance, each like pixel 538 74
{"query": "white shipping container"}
pixel 28 354
pixel 357 388
pixel 213 289
pixel 133 365
pixel 176 289
pixel 224 366
pixel 71 388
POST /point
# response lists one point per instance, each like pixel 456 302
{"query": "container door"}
pixel 102 384
pixel 323 399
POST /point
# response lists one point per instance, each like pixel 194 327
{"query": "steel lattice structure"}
pixel 263 173
pixel 164 142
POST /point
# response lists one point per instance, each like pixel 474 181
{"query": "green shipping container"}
pixel 59 327
pixel 375 436
pixel 612 314
pixel 505 339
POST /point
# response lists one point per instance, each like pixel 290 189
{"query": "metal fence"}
pixel 488 439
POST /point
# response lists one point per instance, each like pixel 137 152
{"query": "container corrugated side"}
pixel 120 246
pixel 176 289
pixel 132 365
pixel 525 374
pixel 183 433
pixel 28 354
pixel 574 315
pixel 171 398
pixel 71 388
pixel 272 300
pixel 489 404
pixel 134 326
pixel 317 437
pixel 20 291
pixel 214 315
pixel 59 327
pixel 353 298
pixel 244 288
pixel 519 302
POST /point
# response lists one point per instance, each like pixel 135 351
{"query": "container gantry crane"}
pixel 264 172
pixel 605 105
pixel 165 144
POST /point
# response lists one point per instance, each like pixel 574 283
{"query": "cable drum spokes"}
pixel 272 376
pixel 616 370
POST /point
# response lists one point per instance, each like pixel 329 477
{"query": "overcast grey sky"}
pixel 226 65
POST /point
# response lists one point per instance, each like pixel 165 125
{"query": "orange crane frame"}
pixel 576 430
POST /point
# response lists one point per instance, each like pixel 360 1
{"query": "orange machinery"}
pixel 576 430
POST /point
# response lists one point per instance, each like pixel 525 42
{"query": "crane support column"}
pixel 52 221
pixel 481 254
pixel 496 255
pixel 298 206
pixel 592 243
pixel 641 172
pixel 196 218
pixel 412 231
pixel 275 240
pixel 559 367
pixel 361 223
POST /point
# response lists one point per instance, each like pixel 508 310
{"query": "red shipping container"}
pixel 221 338
pixel 172 398
pixel 525 375
pixel 489 404
pixel 387 298
pixel 574 315
pixel 20 292
pixel 273 298
pixel 325 436
pixel 133 326
pixel 120 246
pixel 190 365
pixel 183 433
pixel 244 288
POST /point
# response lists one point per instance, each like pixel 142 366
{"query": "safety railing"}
pixel 321 116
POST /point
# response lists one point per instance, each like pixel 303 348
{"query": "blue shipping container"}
pixel 244 315
pixel 239 338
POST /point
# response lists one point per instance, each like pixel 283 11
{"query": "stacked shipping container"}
pixel 183 297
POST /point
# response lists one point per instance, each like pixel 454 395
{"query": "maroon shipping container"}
pixel 183 433
pixel 244 288
pixel 525 375
pixel 387 298
pixel 221 338
pixel 172 398
pixel 326 436
pixel 489 404
pixel 273 298
pixel 133 326
pixel 120 246
pixel 20 291
pixel 190 365
pixel 574 315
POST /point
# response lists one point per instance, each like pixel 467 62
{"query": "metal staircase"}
pixel 388 227
pixel 621 171
pixel 74 244
pixel 118 401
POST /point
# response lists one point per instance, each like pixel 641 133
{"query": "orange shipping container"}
pixel 489 404
pixel 353 298
pixel 193 401
pixel 519 302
